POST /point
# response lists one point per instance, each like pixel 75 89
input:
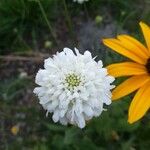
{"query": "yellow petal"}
pixel 140 104
pixel 134 46
pixel 126 69
pixel 116 46
pixel 15 129
pixel 137 43
pixel 130 85
pixel 146 32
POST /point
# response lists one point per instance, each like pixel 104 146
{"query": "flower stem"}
pixel 68 18
pixel 47 21
pixel 86 11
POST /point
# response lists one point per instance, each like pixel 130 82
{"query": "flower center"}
pixel 72 81
pixel 148 65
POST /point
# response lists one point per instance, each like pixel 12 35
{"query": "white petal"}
pixel 88 110
pixel 44 99
pixel 68 52
pixel 56 115
pixel 63 121
pixel 80 120
pixel 69 102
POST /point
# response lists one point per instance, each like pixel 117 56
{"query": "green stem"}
pixel 68 17
pixel 47 21
pixel 86 11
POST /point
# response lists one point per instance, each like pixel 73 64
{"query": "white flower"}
pixel 80 1
pixel 73 87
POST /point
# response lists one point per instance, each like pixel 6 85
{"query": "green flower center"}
pixel 72 80
pixel 148 65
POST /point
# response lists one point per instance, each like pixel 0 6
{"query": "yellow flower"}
pixel 15 129
pixel 138 69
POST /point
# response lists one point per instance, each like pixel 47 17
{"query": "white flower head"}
pixel 73 87
pixel 80 1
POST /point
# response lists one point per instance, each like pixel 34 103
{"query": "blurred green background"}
pixel 31 30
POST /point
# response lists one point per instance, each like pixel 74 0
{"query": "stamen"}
pixel 73 81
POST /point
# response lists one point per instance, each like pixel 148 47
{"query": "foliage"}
pixel 23 28
pixel 21 21
pixel 109 131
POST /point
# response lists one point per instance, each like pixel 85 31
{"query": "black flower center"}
pixel 148 65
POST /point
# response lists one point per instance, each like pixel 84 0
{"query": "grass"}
pixel 110 131
pixel 21 20
pixel 25 28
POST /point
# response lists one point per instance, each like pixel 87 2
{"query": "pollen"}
pixel 72 81
pixel 148 65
